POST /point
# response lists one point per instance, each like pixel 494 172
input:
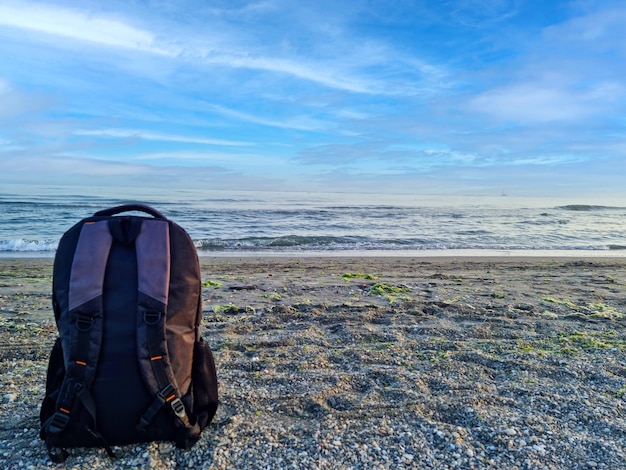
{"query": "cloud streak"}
pixel 78 25
pixel 538 103
pixel 147 135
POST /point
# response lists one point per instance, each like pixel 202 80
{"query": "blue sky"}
pixel 454 97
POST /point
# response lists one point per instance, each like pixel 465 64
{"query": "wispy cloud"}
pixel 78 25
pixel 16 103
pixel 478 13
pixel 595 29
pixel 147 135
pixel 539 103
pixel 301 123
pixel 344 71
pixel 248 159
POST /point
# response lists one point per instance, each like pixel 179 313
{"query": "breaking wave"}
pixel 329 243
pixel 587 208
pixel 21 245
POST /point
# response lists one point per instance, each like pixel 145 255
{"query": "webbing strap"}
pixel 88 403
pixel 168 392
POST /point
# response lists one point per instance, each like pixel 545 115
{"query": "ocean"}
pixel 223 223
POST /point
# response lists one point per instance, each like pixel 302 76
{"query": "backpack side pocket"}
pixel 54 380
pixel 204 383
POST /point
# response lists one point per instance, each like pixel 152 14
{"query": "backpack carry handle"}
pixel 128 208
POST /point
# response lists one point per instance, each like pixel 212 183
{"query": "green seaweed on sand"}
pixel 272 296
pixel 589 340
pixel 602 310
pixel 564 302
pixel 210 283
pixel 348 276
pixel 229 309
pixel 620 393
pixel 25 274
pixel 594 310
pixel 572 343
pixel 391 293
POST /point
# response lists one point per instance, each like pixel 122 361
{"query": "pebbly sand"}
pixel 331 363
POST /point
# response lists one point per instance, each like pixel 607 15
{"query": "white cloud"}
pixel 302 68
pixel 301 123
pixel 478 13
pixel 17 103
pixel 68 166
pixel 603 28
pixel 246 159
pixel 344 66
pixel 78 25
pixel 5 86
pixel 540 103
pixel 147 135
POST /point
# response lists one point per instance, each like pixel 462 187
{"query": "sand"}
pixel 374 362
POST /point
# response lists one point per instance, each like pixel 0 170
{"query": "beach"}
pixel 370 362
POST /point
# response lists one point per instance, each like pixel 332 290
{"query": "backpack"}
pixel 129 365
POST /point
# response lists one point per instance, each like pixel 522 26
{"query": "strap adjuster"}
pixel 167 392
pixel 178 407
pixel 168 395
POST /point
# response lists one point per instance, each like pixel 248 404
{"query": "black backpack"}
pixel 129 364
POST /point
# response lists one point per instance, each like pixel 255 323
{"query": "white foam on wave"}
pixel 22 245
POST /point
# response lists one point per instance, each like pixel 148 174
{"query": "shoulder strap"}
pixel 82 326
pixel 153 267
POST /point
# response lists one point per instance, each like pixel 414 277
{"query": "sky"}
pixel 477 97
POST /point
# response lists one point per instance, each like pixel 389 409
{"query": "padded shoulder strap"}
pixel 153 260
pixel 89 264
pixel 84 338
pixel 82 326
pixel 153 268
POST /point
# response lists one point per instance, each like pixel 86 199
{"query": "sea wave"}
pixel 323 243
pixel 22 245
pixel 588 208
pixel 329 243
pixel 282 242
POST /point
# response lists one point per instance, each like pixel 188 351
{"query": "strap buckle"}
pixel 58 422
pixel 152 317
pixel 84 322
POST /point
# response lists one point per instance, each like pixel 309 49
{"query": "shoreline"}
pixel 434 254
pixel 371 362
pixel 423 254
